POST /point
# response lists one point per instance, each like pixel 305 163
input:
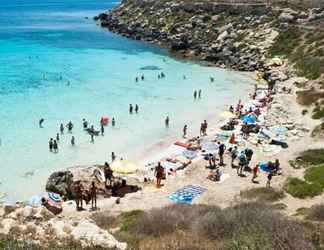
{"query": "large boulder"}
pixel 61 183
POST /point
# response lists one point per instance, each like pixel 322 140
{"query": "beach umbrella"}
pixel 123 167
pixel 54 199
pixel 227 115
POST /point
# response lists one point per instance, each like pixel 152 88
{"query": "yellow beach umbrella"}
pixel 227 114
pixel 123 167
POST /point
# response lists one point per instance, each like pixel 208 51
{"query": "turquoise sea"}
pixel 59 65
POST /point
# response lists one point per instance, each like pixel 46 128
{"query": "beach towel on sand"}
pixel 186 194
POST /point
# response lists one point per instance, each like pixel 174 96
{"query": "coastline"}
pixel 281 117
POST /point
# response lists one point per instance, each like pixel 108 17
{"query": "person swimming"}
pixel 102 129
pixel 142 77
pixel 162 75
pixel 41 121
pixel 130 108
pixel 55 146
pixel 113 156
pixel 136 79
pixel 167 120
pixel 195 94
pixel 84 123
pixel 62 128
pixel 50 145
pixel 185 128
pixel 72 141
pixel 70 126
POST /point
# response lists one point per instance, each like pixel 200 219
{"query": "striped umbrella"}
pixel 54 198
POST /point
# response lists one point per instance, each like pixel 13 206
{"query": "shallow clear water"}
pixel 44 45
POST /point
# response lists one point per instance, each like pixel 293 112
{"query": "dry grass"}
pixel 315 213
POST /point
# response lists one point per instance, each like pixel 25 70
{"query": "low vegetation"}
pixel 251 225
pixel 302 46
pixel 318 131
pixel 315 213
pixel 262 194
pixel 302 189
pixel 315 175
pixel 309 158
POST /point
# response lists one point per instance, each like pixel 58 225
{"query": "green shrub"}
pixel 318 112
pixel 301 189
pixel 315 175
pixel 263 194
pixel 318 130
pixel 129 219
pixel 311 157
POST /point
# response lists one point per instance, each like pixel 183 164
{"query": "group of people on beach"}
pixel 83 194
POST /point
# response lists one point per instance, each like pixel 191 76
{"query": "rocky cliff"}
pixel 234 36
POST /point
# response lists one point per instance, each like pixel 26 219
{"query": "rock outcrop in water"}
pixel 61 183
pixel 233 36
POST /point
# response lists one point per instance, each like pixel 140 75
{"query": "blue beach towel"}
pixel 186 194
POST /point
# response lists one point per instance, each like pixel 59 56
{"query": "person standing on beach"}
pixel 167 120
pixel 113 156
pixel 61 128
pixel 221 151
pixel 242 163
pixel 201 129
pixel 185 128
pixel 199 94
pixel 249 154
pixel 136 108
pixel 205 126
pixel 55 146
pixel 113 122
pixel 255 171
pixel 195 94
pixel 57 137
pixel 269 177
pixel 72 141
pixel 93 194
pixel 130 108
pixel 78 196
pixel 92 137
pixel 108 174
pixel 159 170
pixel 50 145
pixel 234 154
pixel 41 121
pixel 102 130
